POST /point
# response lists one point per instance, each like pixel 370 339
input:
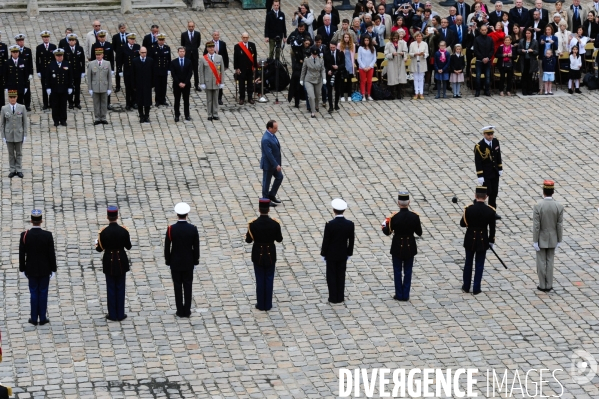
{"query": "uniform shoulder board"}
pixel 415 213
pixel 491 207
pixel 393 214
pixel 125 227
pixel 276 220
pixel 252 221
pixel 102 229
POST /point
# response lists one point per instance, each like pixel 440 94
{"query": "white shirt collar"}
pixel 489 143
pixel 36 227
pixel 339 216
pixel 549 198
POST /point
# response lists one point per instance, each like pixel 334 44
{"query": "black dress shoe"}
pixel 476 292
pixel 274 199
pixel 209 118
pixel 176 119
pixel 142 120
pixel 188 119
pixel 20 174
pixel 487 94
pixel 147 119
pixel 251 101
pixel 127 108
pixel 30 321
pixel 540 289
pixel 337 107
pixel 78 106
pixel 56 123
pixel 71 107
pixel 45 107
pixel 28 109
pixel 12 174
pixel 107 317
pixel 109 107
pixel 497 217
pixel 477 94
pixel 215 118
pixel 197 88
pixel 330 110
pixel 465 290
pixel 105 122
pixel 123 318
pixel 272 204
pixel 157 105
pixel 117 89
pixel 43 323
pixel 220 102
pixel 396 298
pixel 97 123
pixel 63 123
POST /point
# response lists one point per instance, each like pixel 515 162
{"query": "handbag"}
pixel 507 64
pixel 356 96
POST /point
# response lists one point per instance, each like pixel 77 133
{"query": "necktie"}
pixel 181 62
pixel 73 49
pixel 383 19
pixel 314 60
pixel 216 47
pixel 327 30
pixel 460 33
pixel 276 14
pixel 334 58
pixel 190 36
pixel 576 12
pixel 46 47
pixel 520 11
pixel 16 62
pixel 100 63
pixel 13 109
pixel 143 60
pixel 212 58
pixel 102 44
pixel 461 9
pixel 59 64
pixel 246 46
pixel 444 34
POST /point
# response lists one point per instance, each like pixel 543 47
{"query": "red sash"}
pixel 246 50
pixel 213 68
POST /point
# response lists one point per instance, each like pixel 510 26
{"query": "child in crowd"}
pixel 441 69
pixel 549 63
pixel 575 65
pixel 457 64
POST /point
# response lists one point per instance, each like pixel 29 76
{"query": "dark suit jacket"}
pixel 60 80
pixel 43 58
pixel 320 20
pixel 516 18
pixel 143 78
pixel 117 47
pixel 182 246
pixel 274 26
pixel 544 15
pixel 191 47
pixel 222 51
pixel 329 61
pixel 477 218
pixel 338 239
pixel 181 75
pixel 37 257
pixel 467 9
pixel 64 43
pixel 263 232
pixel 493 18
pixel 403 224
pixel 15 77
pixel 450 38
pixel 113 240
pixel 326 39
pixel 147 42
pixel 271 151
pixel 541 26
pixel 450 20
pixel 75 59
pixel 240 59
pixel 454 30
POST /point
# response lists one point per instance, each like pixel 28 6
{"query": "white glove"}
pixel 47 91
pixel 82 75
pixel 557 246
pixel 491 245
pixel 323 259
pixel 536 245
pixel 203 87
pixel 52 275
pixel 500 172
pixel 221 86
pixel 25 92
pixel 384 223
pixel 39 75
pixel 324 81
pixel 96 242
pixel 25 139
pixel 4 140
pixel 91 92
pixel 108 92
pixel 348 257
pixel 69 91
pixel 121 74
pixel 168 72
pixel 23 274
pixel 301 82
pixel 30 77
pixel 481 181
pixel 112 73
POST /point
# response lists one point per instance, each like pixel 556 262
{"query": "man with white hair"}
pixel 328 11
pixel 327 31
pixel 90 39
pixel 576 14
pixel 497 15
pixel 543 12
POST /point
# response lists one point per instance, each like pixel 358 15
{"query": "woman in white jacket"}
pixel 396 52
pixel 418 67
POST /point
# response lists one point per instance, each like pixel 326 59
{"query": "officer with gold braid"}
pixel 487 158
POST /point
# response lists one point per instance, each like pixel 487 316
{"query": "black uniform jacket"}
pixel 241 60
pixel 37 257
pixel 487 159
pixel 263 232
pixel 338 240
pixel 128 55
pixel 477 217
pixel 113 240
pixel 404 224
pixel 15 76
pixel 182 246
pixel 44 57
pixel 162 59
pixel 60 79
pixel 76 59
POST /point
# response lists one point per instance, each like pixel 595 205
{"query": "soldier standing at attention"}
pixel 43 57
pixel 182 254
pixel 161 53
pixel 37 262
pixel 487 158
pixel 14 124
pixel 75 56
pixel 60 85
pixel 403 224
pixel 128 53
pixel 113 240
pixel 263 232
pixel 108 56
pixel 477 218
pixel 27 57
pixel 99 82
pixel 15 73
pixel 211 79
pixel 337 248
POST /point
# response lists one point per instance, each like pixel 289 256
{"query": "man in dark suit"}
pixel 27 57
pixel 181 71
pixel 274 27
pixel 537 25
pixel 119 40
pixel 477 217
pixel 64 42
pixel 182 254
pixel 459 31
pixel 43 57
pixel 270 163
pixel 453 14
pixel 14 73
pixel 489 167
pixel 403 224
pixel 245 62
pixel 37 262
pixel 337 247
pixel 519 15
pixel 113 240
pixel 192 41
pixel 60 86
pixel 220 48
pixel 75 56
pixel 129 53
pixel 327 31
pixel 334 63
pixel 263 232
pixel 543 12
pixel 445 35
pixel 462 8
pixel 497 15
pixel 151 38
pixel 108 56
pixel 143 78
pixel 161 54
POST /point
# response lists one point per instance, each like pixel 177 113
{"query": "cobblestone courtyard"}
pixel 365 153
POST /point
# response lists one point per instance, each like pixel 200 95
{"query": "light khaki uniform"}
pixel 548 217
pixel 207 78
pixel 99 80
pixel 14 126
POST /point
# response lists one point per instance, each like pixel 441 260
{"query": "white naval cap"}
pixel 338 204
pixel 488 129
pixel 182 208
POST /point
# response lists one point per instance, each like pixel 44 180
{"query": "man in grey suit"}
pixel 99 82
pixel 14 125
pixel 548 217
pixel 270 163
pixel 211 79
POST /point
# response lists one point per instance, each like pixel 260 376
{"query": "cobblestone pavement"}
pixel 228 349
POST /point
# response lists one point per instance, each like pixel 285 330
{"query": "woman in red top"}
pixel 497 35
pixel 399 24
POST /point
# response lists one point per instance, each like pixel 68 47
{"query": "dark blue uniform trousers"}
pixel 402 288
pixel 479 258
pixel 265 277
pixel 115 296
pixel 38 289
pixel 336 280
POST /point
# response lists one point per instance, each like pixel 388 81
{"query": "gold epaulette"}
pixel 250 230
pixel 491 207
pixel 252 221
pixel 102 229
pixel 125 227
pixel 276 220
pixel 393 214
pixel 485 155
pixel 416 213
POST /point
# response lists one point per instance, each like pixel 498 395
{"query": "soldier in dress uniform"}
pixel 143 71
pixel 182 254
pixel 211 79
pixel 479 218
pixel 28 58
pixel 75 56
pixel 403 225
pixel 99 82
pixel 129 52
pixel 43 57
pixel 220 48
pixel 15 73
pixel 4 56
pixel 113 240
pixel 245 62
pixel 14 125
pixel 108 56
pixel 263 232
pixel 64 42
pixel 60 85
pixel 37 262
pixel 337 247
pixel 161 53
pixel 487 158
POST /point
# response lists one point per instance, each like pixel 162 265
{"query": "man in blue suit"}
pixel 270 163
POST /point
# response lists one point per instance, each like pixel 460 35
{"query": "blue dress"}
pixel 441 65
